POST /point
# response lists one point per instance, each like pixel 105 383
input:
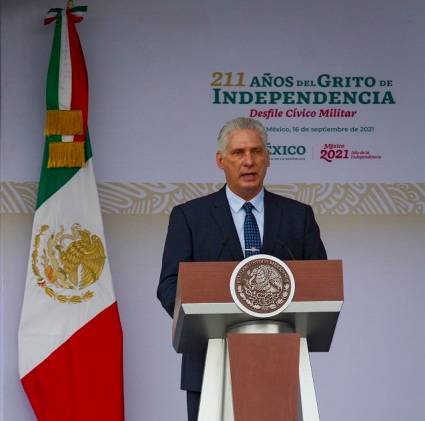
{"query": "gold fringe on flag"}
pixel 66 155
pixel 64 122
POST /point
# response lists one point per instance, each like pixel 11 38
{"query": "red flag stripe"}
pixel 80 92
pixel 82 379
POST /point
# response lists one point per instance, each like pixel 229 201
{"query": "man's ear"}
pixel 219 159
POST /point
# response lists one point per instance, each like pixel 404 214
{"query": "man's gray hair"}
pixel 240 123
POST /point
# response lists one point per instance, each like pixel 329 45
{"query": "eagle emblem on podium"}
pixel 262 285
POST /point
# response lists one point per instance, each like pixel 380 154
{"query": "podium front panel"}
pixel 205 310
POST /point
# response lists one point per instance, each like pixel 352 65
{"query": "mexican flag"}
pixel 70 336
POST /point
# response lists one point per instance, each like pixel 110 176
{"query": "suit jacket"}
pixel 203 230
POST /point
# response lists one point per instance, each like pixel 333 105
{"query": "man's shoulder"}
pixel 220 197
pixel 202 202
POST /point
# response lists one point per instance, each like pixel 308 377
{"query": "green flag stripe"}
pixel 52 179
pixel 52 89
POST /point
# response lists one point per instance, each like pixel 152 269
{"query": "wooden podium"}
pixel 257 370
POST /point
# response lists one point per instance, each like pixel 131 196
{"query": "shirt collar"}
pixel 236 202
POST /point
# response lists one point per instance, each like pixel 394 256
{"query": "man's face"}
pixel 244 162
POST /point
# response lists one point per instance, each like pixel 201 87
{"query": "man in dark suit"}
pixel 219 227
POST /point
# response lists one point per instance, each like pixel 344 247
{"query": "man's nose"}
pixel 248 159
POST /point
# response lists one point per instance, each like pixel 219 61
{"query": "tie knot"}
pixel 248 207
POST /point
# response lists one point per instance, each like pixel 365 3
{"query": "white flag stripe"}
pixel 65 72
pixel 42 327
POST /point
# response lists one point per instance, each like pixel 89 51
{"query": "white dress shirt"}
pixel 238 213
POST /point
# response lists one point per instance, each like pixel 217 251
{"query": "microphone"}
pixel 253 249
pixel 287 249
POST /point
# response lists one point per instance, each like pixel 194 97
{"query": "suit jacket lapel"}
pixel 272 221
pixel 223 217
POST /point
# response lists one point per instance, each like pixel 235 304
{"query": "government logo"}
pixel 262 285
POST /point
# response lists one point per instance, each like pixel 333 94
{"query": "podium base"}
pixel 248 376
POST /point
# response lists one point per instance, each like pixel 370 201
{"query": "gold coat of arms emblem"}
pixel 65 264
pixel 262 285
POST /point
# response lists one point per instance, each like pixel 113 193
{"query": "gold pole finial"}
pixel 69 4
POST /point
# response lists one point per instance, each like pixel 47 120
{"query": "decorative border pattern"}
pixel 159 198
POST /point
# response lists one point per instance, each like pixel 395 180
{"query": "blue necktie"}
pixel 251 232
